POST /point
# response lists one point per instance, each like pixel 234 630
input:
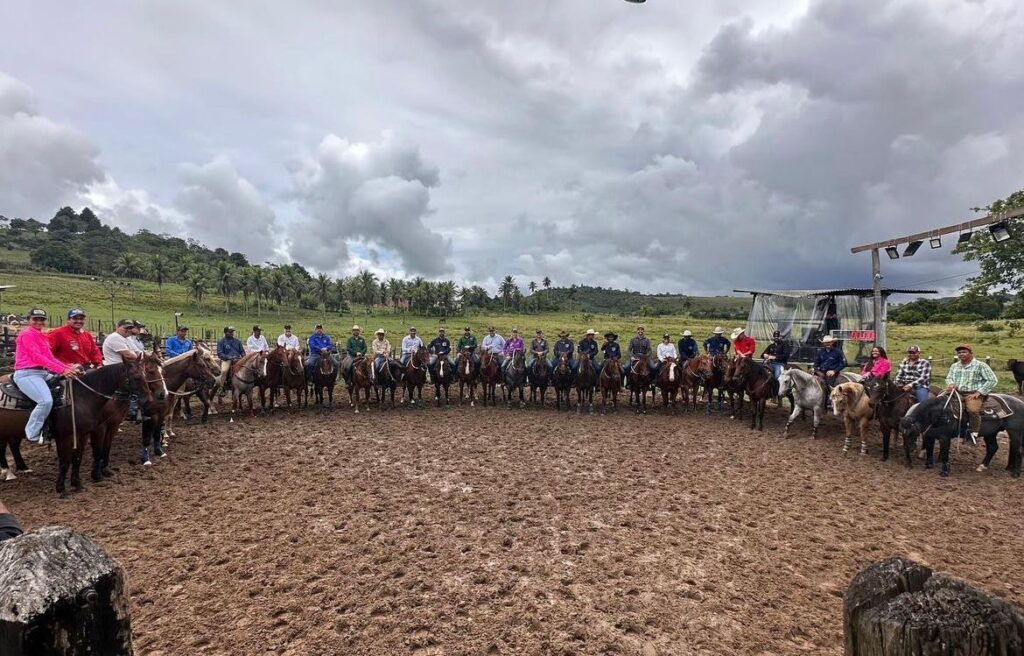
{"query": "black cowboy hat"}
pixel 611 335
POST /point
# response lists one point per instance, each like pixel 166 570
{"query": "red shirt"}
pixel 744 345
pixel 74 347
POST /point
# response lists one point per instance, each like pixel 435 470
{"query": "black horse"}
pixel 539 378
pixel 935 419
pixel 562 380
pixel 586 382
pixel 442 373
pixel 388 378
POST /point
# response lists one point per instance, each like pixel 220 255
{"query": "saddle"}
pixel 12 398
pixel 994 407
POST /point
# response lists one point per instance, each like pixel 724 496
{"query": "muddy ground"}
pixel 473 531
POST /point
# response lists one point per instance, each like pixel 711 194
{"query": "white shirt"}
pixel 289 342
pixel 411 344
pixel 135 344
pixel 254 344
pixel 495 344
pixel 666 351
pixel 113 345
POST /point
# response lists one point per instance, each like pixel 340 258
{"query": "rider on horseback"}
pixel 565 345
pixel 743 345
pixel 410 344
pixel 73 344
pixel 611 349
pixel 777 354
pixel 355 348
pixel 829 363
pixel 287 340
pixel 915 374
pixel 381 349
pixel 666 352
pixel 229 351
pixel 514 343
pixel 256 342
pixel 974 379
pixel 716 344
pixel 33 363
pixel 688 348
pixel 178 343
pixel 440 346
pixel 640 347
pixel 318 343
pixel 539 349
pixel 494 344
pixel 876 366
pixel 588 346
pixel 468 343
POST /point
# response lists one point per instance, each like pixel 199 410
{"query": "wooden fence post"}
pixel 901 607
pixel 61 594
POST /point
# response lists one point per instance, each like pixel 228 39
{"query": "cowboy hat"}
pixel 356 328
pixel 380 331
pixel 590 331
pixel 718 330
pixel 687 333
pixel 828 339
pixel 611 335
pixel 736 333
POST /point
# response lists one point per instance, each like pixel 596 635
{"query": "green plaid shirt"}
pixel 974 377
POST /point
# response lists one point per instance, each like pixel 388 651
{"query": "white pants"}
pixel 33 383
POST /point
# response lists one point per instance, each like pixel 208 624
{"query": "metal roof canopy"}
pixel 5 287
pixel 850 291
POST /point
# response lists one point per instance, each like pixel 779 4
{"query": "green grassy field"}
pixel 156 307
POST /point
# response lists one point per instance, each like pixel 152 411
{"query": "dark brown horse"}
pixel 490 375
pixel 891 403
pixel 696 373
pixel 561 380
pixel 415 374
pixel 183 396
pixel 389 377
pixel 610 383
pixel 539 379
pixel 275 372
pixel 442 373
pixel 325 376
pixel 293 379
pixel 362 382
pixel 717 381
pixel 189 367
pixel 639 379
pixel 466 371
pixel 758 382
pixel 669 380
pixel 586 382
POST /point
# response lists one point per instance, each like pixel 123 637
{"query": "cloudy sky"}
pixel 671 146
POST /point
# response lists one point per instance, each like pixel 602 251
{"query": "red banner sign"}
pixel 862 335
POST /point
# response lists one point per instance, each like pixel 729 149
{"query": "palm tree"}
pixel 506 289
pixel 446 296
pixel 382 296
pixel 416 294
pixel 224 273
pixel 323 287
pixel 256 278
pixel 196 280
pixel 128 265
pixel 546 282
pixel 533 291
pixel 394 291
pixel 159 271
pixel 367 286
pixel 277 285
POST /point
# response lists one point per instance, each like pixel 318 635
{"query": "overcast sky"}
pixel 689 147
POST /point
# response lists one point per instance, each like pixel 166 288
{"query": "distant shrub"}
pixel 964 317
pixel 986 327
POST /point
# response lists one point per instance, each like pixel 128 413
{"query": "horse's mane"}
pixel 178 358
pixel 105 376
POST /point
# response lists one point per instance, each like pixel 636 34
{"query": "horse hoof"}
pixel 1015 474
pixel 982 467
pixel 944 473
pixel 885 457
pixel 7 474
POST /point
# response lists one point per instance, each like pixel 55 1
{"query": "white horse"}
pixel 808 394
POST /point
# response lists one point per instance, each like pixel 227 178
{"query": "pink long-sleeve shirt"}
pixel 32 349
pixel 879 368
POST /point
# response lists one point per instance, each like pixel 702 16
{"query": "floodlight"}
pixel 964 237
pixel 893 253
pixel 912 248
pixel 935 242
pixel 1000 231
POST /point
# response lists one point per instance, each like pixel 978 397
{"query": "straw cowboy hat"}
pixel 828 339
pixel 718 330
pixel 687 333
pixel 739 331
pixel 591 331
pixel 356 328
pixel 380 331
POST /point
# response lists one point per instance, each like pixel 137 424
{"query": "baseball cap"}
pixel 182 327
pixel 964 347
pixel 74 312
pixel 319 325
pixel 913 348
pixel 125 322
pixel 256 328
pixel 229 329
pixel 36 313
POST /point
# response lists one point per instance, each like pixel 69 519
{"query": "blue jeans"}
pixel 311 364
pixel 378 361
pixel 33 383
pixel 547 363
pixel 921 393
pixel 777 368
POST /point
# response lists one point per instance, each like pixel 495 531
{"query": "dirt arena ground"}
pixel 474 531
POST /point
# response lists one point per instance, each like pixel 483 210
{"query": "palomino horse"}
pixel 325 376
pixel 389 377
pixel 539 378
pixel 490 375
pixel 514 378
pixel 249 372
pixel 415 374
pixel 851 402
pixel 442 374
pixel 759 384
pixel 891 403
pixel 466 371
pixel 561 380
pixel 938 419
pixel 669 380
pixel 610 382
pixel 586 382
pixel 807 392
pixel 696 373
pixel 362 381
pixel 639 378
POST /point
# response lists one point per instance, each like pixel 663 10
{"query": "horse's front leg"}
pixel 944 456
pixel 1014 462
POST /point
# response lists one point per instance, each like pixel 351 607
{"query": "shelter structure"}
pixel 806 316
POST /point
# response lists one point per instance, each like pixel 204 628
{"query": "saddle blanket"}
pixel 994 407
pixel 12 398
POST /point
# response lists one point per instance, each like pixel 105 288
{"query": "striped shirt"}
pixel 918 374
pixel 975 376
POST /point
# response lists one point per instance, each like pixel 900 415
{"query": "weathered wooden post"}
pixel 61 594
pixel 901 607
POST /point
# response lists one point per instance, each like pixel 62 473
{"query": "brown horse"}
pixel 325 376
pixel 610 383
pixel 851 402
pixel 362 381
pixel 758 382
pixel 249 372
pixel 183 396
pixel 389 377
pixel 561 380
pixel 891 403
pixel 190 366
pixel 586 382
pixel 490 375
pixel 275 372
pixel 466 371
pixel 639 378
pixel 669 380
pixel 415 374
pixel 293 379
pixel 696 373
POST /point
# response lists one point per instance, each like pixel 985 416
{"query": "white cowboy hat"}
pixel 828 339
pixel 736 333
pixel 380 331
pixel 590 331
pixel 718 330
pixel 356 328
pixel 687 333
